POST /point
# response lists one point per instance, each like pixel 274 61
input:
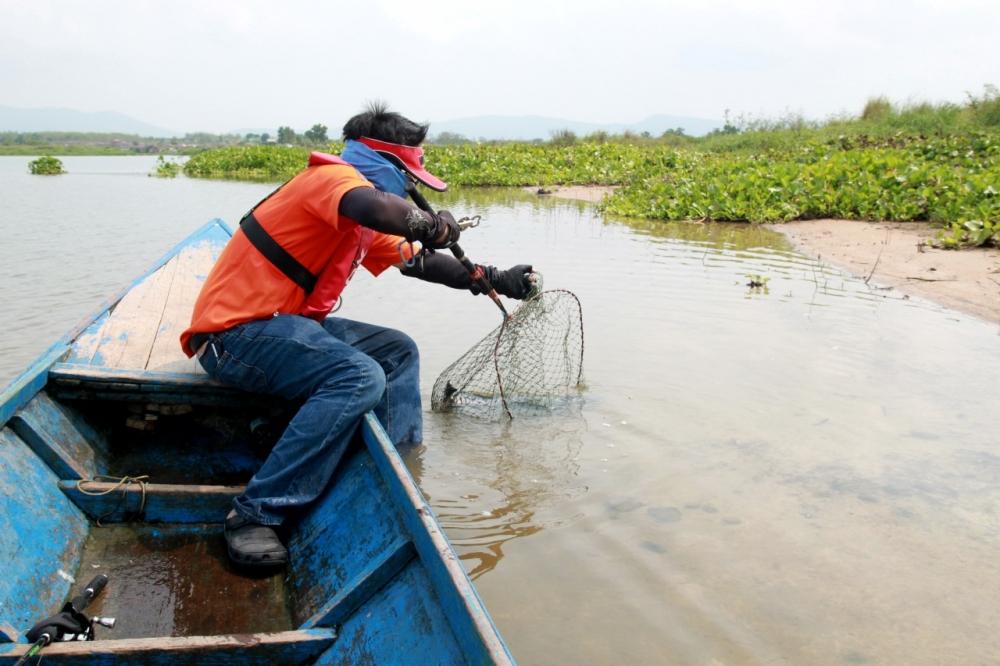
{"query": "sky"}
pixel 217 66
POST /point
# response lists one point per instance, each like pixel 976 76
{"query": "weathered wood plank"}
pixel 285 647
pixel 86 332
pixel 199 398
pixel 85 345
pixel 45 427
pixel 41 536
pixel 178 363
pixel 193 265
pixel 9 634
pixel 76 381
pixel 380 570
pixel 127 337
pixel 472 625
pixel 135 378
pixel 164 503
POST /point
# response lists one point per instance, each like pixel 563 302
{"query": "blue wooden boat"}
pixel 372 577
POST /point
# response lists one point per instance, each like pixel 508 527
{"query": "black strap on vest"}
pixel 276 254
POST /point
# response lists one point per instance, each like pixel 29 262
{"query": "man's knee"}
pixel 404 349
pixel 367 378
pixel 374 381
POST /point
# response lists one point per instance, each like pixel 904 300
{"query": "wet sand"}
pixel 897 255
pixel 890 255
pixel 591 193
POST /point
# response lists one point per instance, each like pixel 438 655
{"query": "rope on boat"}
pixel 121 483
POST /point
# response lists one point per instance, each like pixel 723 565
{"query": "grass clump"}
pixel 46 166
pixel 166 168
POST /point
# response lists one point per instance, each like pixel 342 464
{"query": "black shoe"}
pixel 252 545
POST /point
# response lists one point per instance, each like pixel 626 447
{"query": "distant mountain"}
pixel 49 119
pixel 526 128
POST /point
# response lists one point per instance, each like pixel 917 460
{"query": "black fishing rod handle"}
pixel 476 273
pixel 423 204
pixel 94 587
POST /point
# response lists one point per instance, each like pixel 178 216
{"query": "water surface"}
pixel 806 473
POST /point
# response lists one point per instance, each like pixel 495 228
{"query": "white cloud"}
pixel 220 65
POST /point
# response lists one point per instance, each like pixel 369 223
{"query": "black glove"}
pixel 448 231
pixel 436 233
pixel 512 283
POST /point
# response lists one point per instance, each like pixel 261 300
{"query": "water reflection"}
pixel 499 481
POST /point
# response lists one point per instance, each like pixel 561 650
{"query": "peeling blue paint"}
pixel 41 535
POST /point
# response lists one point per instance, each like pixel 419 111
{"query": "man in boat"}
pixel 260 322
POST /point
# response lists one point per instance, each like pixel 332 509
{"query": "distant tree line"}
pixel 117 143
pixel 314 136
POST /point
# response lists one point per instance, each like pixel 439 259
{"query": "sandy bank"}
pixel 887 254
pixel 896 254
pixel 591 193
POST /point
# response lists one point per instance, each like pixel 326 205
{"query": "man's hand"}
pixel 447 231
pixel 512 283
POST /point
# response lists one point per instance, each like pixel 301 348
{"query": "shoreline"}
pixel 896 255
pixel 589 193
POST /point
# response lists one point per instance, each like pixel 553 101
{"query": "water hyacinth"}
pixel 46 166
pixel 950 180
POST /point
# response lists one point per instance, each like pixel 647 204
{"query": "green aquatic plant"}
pixel 972 233
pixel 166 168
pixel 46 166
pixel 254 163
pixel 951 180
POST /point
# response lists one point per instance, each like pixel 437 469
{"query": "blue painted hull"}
pixel 372 577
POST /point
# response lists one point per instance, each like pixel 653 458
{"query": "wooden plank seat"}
pixel 75 381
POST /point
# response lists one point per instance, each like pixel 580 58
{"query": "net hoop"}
pixel 447 396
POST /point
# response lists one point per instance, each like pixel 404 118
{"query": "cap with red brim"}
pixel 411 158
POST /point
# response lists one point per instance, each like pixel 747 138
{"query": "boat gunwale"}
pixel 459 597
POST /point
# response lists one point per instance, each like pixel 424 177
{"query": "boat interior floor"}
pixel 176 580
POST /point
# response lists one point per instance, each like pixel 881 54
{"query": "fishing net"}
pixel 530 364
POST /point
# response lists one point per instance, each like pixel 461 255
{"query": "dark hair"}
pixel 378 122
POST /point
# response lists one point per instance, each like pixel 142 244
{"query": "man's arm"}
pixel 444 269
pixel 389 214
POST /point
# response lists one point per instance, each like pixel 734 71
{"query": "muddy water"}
pixel 168 580
pixel 803 473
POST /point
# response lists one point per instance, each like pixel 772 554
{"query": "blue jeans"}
pixel 339 369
